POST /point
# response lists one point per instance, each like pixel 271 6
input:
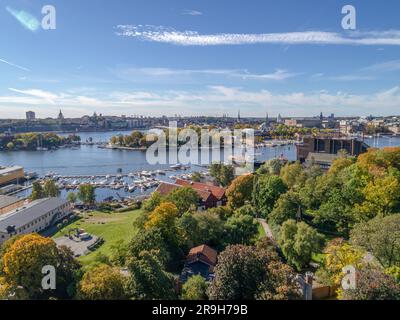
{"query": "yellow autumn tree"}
pixel 163 216
pixel 240 191
pixel 378 160
pixel 23 261
pixel 339 254
pixel 382 197
pixel 102 283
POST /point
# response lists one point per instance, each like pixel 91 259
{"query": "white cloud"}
pixel 193 38
pixel 168 74
pixel 213 100
pixel 192 12
pixel 352 77
pixel 387 66
pixel 48 96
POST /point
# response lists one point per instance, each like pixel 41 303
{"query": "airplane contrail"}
pixel 14 65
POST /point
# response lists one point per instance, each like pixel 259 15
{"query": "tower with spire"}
pixel 60 115
pixel 238 116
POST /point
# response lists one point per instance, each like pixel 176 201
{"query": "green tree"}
pixel 381 237
pixel 241 229
pixel 153 202
pixel 119 252
pixel 72 197
pixel 148 279
pixel 250 272
pixel 37 191
pixel 188 226
pixel 86 194
pixel 298 242
pixel 185 199
pixel 293 174
pixel 247 209
pixel 50 189
pixel 285 208
pixel 150 240
pixel 335 215
pixel 195 288
pixel 272 167
pixel 210 229
pixel 269 189
pixel 223 174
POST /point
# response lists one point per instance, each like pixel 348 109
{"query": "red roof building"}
pixel 200 260
pixel 210 196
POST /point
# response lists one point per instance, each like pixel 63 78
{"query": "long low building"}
pixel 33 217
pixel 11 174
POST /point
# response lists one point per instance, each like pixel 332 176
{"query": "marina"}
pixel 126 173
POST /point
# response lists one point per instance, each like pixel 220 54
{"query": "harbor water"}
pixel 89 160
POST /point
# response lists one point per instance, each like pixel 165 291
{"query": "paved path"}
pixel 79 248
pixel 267 229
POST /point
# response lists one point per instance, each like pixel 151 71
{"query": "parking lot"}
pixel 78 247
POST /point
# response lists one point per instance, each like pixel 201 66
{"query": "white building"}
pixel 33 217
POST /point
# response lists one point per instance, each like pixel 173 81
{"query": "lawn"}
pixel 112 227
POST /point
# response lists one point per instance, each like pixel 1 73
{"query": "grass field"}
pixel 112 227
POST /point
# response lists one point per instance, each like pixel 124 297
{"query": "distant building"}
pixel 60 115
pixel 324 150
pixel 201 260
pixel 30 116
pixel 34 217
pixel 348 127
pixel 210 196
pixel 394 129
pixel 11 174
pixel 279 119
pixel 304 123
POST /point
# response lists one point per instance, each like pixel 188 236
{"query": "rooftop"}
pixel 217 192
pixel 6 170
pixel 166 188
pixel 34 210
pixel 204 254
pixel 6 201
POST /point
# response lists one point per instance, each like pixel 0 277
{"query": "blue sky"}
pixel 194 57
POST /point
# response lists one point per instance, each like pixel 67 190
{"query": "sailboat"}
pixel 40 144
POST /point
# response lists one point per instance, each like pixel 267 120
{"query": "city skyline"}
pixel 194 59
